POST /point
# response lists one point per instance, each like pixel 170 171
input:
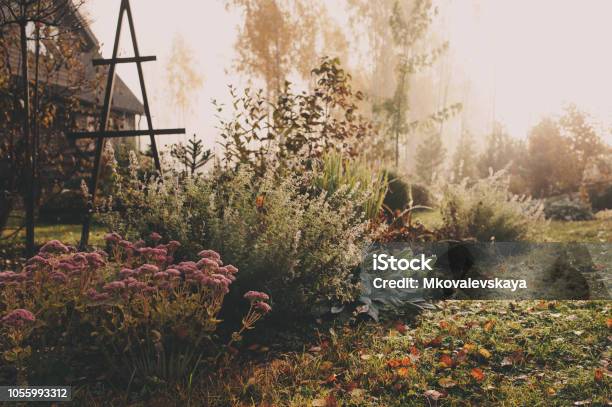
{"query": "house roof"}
pixel 92 92
pixel 123 98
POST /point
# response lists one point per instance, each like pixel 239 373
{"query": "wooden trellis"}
pixel 102 134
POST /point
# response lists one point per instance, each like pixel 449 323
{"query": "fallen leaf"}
pixel 393 363
pixel 331 378
pixel 435 342
pixel 488 326
pixel 446 361
pixel 461 356
pixel 434 394
pixel 401 327
pixel 484 353
pixel 551 391
pixel 583 402
pixel 598 375
pixel 403 372
pixel 326 365
pixel 469 347
pixel 609 323
pixel 447 382
pixel 319 403
pixel 443 324
pixel 365 357
pixel 406 362
pixel 315 349
pixel 477 374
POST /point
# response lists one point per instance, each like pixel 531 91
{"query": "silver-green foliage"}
pixel 486 210
pixel 298 244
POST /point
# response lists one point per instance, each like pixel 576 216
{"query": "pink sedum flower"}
pixel 114 286
pixel 262 307
pixel 156 237
pixel 256 296
pixel 113 237
pixel 54 246
pixel 209 254
pixel 148 268
pixel 18 318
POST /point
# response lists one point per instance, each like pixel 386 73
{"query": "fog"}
pixel 511 62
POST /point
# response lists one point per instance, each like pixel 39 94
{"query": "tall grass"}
pixel 357 176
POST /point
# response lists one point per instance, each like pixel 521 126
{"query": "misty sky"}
pixel 513 61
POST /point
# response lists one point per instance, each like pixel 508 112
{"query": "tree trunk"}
pixel 6 207
pixel 29 191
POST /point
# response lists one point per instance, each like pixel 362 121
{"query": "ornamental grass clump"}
pixel 486 210
pixel 133 314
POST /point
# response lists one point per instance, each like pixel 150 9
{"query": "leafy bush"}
pixel 129 315
pixel 600 197
pixel 486 210
pixel 563 207
pixel 300 244
pixel 398 193
pixel 352 176
pixel 287 133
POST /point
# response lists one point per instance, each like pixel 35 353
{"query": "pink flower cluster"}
pixel 257 300
pixel 18 318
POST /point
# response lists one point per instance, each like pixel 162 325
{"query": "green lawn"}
pixel 591 231
pixel 69 234
pixel 498 353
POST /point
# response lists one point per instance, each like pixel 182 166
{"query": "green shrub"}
pixel 421 196
pixel 338 173
pixel 486 210
pixel 398 193
pixel 600 197
pixel 401 195
pixel 563 207
pixel 300 245
pixel 131 315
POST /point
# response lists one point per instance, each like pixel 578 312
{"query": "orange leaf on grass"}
pixel 598 375
pixel 400 327
pixel 446 361
pixel 609 323
pixel 443 324
pixel 477 374
pixel 403 372
pixel 484 353
pixel 469 347
pixel 447 382
pixel 393 363
pixel 488 326
pixel 435 342
pixel 331 378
